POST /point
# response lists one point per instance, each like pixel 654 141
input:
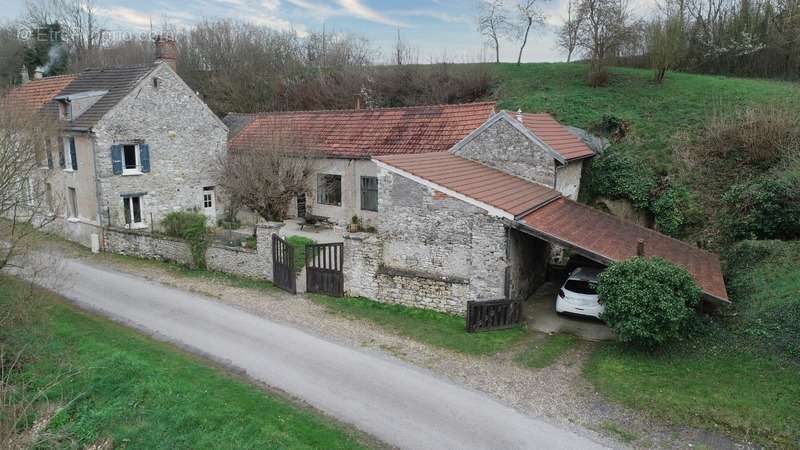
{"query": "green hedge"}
pixel 191 227
pixel 767 208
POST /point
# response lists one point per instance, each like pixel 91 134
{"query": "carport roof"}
pixel 607 238
pixel 545 213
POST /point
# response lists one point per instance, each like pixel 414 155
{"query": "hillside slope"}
pixel 654 112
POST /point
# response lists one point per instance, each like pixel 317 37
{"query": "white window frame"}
pixel 208 197
pixel 129 223
pixel 68 154
pixel 138 169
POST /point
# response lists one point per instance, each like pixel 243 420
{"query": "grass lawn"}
pixel 541 353
pixel 655 112
pixel 431 327
pixel 741 376
pixel 144 394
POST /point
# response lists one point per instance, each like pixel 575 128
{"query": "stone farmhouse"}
pixel 136 143
pixel 347 180
pixel 469 203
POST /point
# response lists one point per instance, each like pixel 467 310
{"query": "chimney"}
pixel 24 75
pixel 167 51
pixel 519 116
pixel 38 73
pixel 640 247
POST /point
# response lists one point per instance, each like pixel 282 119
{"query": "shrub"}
pixel 648 302
pixel 598 78
pixel 674 208
pixel 767 208
pixel 191 227
pixel 617 175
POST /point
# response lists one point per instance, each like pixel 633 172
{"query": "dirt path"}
pixel 558 392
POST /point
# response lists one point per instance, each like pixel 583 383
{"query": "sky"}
pixel 436 29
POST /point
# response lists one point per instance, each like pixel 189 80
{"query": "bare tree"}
pixel 604 28
pixel 266 177
pixel 493 23
pixel 567 37
pixel 528 15
pixel 26 203
pixel 81 28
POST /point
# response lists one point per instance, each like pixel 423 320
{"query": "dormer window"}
pixel 65 110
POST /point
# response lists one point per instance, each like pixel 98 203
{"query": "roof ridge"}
pixel 388 108
pixel 120 66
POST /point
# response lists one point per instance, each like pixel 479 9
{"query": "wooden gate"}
pixel 493 315
pixel 324 274
pixel 283 272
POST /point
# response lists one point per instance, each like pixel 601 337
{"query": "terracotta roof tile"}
pixel 557 136
pixel 614 239
pixel 34 94
pixel 549 215
pixel 366 133
pixel 489 186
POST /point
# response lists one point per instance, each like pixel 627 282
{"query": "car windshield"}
pixel 581 287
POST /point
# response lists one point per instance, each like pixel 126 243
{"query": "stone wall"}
pixel 237 261
pixel 143 245
pixel 184 139
pixel 431 251
pixel 507 149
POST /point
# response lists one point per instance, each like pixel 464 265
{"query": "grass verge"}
pixel 140 393
pixel 541 353
pixel 181 270
pixel 739 375
pixel 430 327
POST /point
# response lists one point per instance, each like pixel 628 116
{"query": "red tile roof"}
pixel 34 94
pixel 366 133
pixel 557 136
pixel 612 239
pixel 491 187
pixel 547 214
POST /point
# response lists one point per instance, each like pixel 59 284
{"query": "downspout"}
pixel 507 281
pixel 98 190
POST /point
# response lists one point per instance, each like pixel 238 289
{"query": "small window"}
pixel 369 193
pixel 130 158
pixel 73 203
pixel 70 154
pixel 329 189
pixel 133 211
pixel 208 197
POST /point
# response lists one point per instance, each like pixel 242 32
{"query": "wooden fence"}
pixel 493 315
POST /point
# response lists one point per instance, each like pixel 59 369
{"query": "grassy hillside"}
pixel 655 112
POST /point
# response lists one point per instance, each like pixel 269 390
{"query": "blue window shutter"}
pixel 72 154
pixel 144 157
pixel 116 159
pixel 61 162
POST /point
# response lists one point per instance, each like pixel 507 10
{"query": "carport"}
pixel 535 213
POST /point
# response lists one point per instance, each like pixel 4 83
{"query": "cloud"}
pixel 357 9
pixel 125 16
pixel 433 14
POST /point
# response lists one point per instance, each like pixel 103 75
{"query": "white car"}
pixel 578 295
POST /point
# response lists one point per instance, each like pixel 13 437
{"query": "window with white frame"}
pixel 369 193
pixel 132 206
pixel 130 158
pixel 208 197
pixel 70 154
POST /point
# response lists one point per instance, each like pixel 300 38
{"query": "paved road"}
pixel 389 399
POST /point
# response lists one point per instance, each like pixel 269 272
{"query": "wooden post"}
pixel 640 248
